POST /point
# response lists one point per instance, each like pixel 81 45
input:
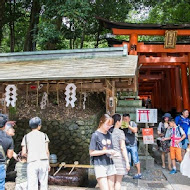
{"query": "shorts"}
pixel 104 171
pixel 185 145
pixel 134 153
pixel 175 153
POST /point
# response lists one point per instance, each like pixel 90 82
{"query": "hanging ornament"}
pixel 40 86
pixel 70 95
pixel 43 103
pixel 84 100
pixel 10 95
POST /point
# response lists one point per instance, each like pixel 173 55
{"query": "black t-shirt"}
pixel 7 143
pixel 100 141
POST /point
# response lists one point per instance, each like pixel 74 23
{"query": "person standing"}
pixel 100 150
pixel 164 145
pixel 184 122
pixel 176 135
pixel 130 128
pixel 120 159
pixel 21 172
pixel 6 150
pixel 35 147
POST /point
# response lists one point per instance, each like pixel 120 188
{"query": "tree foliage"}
pixel 28 25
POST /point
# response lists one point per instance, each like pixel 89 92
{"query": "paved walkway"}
pixel 177 181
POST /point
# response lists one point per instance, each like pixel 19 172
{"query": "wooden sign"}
pixel 170 39
pixel 148 137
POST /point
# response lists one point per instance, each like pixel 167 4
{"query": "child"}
pixel 176 134
pixel 21 169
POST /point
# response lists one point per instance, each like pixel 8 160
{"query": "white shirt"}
pixel 35 143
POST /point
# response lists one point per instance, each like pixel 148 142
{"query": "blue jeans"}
pixel 2 176
pixel 134 153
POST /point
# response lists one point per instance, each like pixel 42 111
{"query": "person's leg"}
pixel 111 182
pixel 103 183
pixel 135 158
pixel 43 174
pixel 2 176
pixel 178 154
pixel 118 180
pixel 173 156
pixel 32 175
pixel 169 162
pixel 163 159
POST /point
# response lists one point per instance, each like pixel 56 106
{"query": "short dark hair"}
pixel 35 122
pixel 172 120
pixel 116 117
pixel 185 110
pixel 126 115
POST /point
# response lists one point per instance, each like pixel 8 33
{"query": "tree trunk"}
pixel 83 36
pixel 98 36
pixel 30 44
pixel 11 25
pixel 2 13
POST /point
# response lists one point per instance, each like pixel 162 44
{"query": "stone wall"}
pixel 69 139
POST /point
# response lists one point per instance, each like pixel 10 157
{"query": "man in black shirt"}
pixel 6 149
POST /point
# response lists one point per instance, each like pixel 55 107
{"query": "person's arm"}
pixel 133 129
pixel 47 152
pixel 23 144
pixel 100 152
pixel 10 149
pixel 167 135
pixel 124 153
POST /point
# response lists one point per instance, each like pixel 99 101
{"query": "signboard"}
pixel 146 115
pixel 148 137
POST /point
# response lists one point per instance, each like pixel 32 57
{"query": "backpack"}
pixel 183 141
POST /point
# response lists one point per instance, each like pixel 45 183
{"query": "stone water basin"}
pixel 77 178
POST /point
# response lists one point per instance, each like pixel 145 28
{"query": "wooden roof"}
pixel 67 64
pixel 139 26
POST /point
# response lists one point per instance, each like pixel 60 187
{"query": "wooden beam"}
pixel 142 48
pixel 150 77
pixel 156 67
pixel 162 60
pixel 148 32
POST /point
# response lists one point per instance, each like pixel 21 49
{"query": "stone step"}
pixel 127 109
pixel 129 103
pixel 129 97
pixel 132 115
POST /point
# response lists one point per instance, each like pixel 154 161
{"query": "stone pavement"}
pixel 156 179
pixel 177 181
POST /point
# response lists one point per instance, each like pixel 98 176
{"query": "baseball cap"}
pixel 3 120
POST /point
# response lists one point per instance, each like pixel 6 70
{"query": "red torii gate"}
pixel 173 90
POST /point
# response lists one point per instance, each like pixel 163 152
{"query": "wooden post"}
pixel 168 87
pixel 179 106
pixel 185 86
pixel 173 89
pixel 110 95
pixel 133 44
pixel 114 97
